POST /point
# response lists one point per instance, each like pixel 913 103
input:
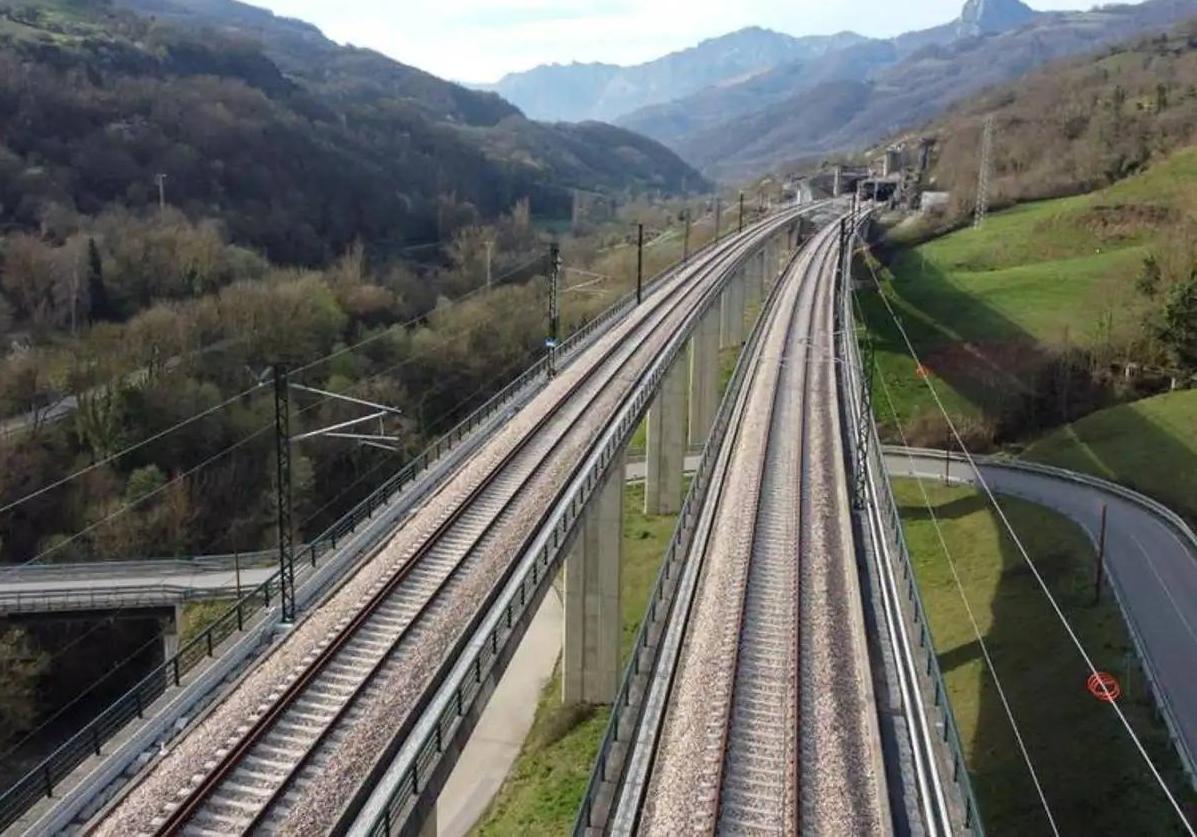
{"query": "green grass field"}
pixel 196 616
pixel 1150 446
pixel 1093 778
pixel 541 794
pixel 981 305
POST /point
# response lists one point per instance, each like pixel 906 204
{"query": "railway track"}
pixel 768 726
pixel 286 755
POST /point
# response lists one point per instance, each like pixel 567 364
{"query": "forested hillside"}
pixel 299 181
pixel 1076 126
pixel 854 97
pixel 297 146
pixel 608 91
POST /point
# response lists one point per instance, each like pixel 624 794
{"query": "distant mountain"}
pixel 857 95
pixel 605 91
pixel 300 147
pixel 673 123
pixel 1075 126
pixel 988 17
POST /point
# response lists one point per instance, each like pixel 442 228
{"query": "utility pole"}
pixel 718 216
pixel 686 240
pixel 741 213
pixel 490 246
pixel 554 310
pixel 843 248
pixel 282 448
pixel 161 178
pixel 983 178
pixel 639 263
pixel 1101 556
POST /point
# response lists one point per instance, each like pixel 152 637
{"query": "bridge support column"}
pixel 590 653
pixel 666 448
pixel 428 827
pixel 170 633
pixel 704 376
pixel 727 304
pixel 755 280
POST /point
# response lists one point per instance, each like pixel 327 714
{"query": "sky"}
pixel 480 40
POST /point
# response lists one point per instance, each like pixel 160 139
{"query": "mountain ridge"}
pixel 868 96
pixel 595 90
pixel 298 146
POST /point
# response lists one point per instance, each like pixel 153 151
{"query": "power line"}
pixel 125 451
pixel 984 175
pixel 1026 555
pixel 62 709
pixel 257 386
pixel 134 503
pixel 1026 756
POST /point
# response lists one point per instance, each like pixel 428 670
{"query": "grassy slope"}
pixel 545 786
pixel 1150 446
pixel 1085 761
pixel 1043 273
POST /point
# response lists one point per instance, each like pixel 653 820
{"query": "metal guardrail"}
pixel 420 753
pixel 109 598
pixel 88 741
pixel 32 573
pixel 1165 515
pixel 874 473
pixel 645 653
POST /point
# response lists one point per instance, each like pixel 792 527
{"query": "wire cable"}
pixel 1026 556
pixel 1022 747
pixel 73 701
pixel 8 569
pixel 125 451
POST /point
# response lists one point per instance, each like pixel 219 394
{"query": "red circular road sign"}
pixel 1103 686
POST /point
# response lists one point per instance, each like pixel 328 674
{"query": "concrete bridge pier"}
pixel 170 632
pixel 754 286
pixel 666 444
pixel 704 376
pixel 591 635
pixel 428 827
pixel 731 312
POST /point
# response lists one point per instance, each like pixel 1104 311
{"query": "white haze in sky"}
pixel 480 40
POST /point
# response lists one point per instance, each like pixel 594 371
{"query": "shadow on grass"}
pixel 990 369
pixel 1093 778
pixel 950 510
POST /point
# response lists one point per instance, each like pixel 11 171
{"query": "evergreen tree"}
pixel 100 305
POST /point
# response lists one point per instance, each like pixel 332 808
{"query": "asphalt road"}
pixel 1151 562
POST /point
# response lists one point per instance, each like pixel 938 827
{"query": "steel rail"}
pixel 674 298
pixel 771 390
pixel 935 810
pixel 652 637
pixel 702 271
pixel 800 315
pixel 803 315
pixel 743 248
pixel 630 799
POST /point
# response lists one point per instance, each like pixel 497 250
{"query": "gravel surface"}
pixel 685 787
pixel 726 760
pixel 316 810
pixel 183 766
pixel 843 788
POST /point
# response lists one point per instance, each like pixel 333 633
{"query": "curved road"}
pixel 1151 560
